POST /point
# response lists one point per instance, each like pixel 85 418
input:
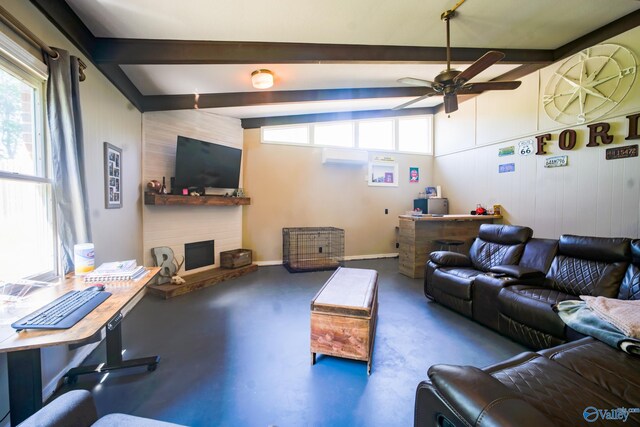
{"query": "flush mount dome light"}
pixel 262 79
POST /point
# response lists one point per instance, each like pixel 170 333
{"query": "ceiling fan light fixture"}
pixel 262 79
pixel 450 103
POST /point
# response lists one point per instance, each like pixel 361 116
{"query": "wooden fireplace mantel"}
pixel 176 200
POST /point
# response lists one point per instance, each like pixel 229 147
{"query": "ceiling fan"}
pixel 450 83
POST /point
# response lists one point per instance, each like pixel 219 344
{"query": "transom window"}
pixel 408 134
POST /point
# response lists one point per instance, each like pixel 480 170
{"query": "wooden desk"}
pixel 418 233
pixel 23 348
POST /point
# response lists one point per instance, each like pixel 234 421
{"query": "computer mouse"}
pixel 97 287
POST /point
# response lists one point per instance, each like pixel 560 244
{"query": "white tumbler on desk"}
pixel 83 258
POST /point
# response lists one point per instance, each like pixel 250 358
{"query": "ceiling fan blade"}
pixel 413 101
pixel 450 103
pixel 415 82
pixel 482 86
pixel 487 60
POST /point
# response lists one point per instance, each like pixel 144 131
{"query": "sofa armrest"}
pixel 449 259
pixel 518 272
pixel 75 408
pixel 511 411
pixel 482 400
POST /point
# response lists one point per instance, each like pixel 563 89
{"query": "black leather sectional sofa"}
pixel 509 282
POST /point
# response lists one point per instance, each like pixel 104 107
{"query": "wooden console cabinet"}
pixel 417 235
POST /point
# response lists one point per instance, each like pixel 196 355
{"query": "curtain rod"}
pixel 34 40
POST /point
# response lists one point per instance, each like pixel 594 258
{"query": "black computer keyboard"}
pixel 64 312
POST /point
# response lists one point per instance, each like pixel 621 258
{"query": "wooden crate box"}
pixel 343 315
pixel 235 258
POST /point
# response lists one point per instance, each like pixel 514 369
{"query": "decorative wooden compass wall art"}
pixel 590 84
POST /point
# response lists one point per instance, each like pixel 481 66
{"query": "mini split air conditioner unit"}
pixel 344 156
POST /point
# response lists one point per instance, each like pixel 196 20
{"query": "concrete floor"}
pixel 237 354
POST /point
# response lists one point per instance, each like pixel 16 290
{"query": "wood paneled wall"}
pixel 173 226
pixel 591 196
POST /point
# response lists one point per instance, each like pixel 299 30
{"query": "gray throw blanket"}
pixel 578 316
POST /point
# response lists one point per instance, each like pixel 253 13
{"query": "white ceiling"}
pixel 538 24
pixel 500 24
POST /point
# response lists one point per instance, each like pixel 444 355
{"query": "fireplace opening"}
pixel 198 254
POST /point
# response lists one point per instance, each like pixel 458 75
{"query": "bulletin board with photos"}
pixel 112 176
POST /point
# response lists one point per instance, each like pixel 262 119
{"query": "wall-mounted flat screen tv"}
pixel 201 164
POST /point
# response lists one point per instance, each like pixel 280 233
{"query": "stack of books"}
pixel 116 271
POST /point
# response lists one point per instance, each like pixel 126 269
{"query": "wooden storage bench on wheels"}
pixel 343 315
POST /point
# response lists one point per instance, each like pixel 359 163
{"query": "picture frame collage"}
pixel 112 176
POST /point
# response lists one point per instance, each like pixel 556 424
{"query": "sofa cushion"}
pixel 630 287
pixel 577 276
pixel 532 306
pixel 602 365
pixel 602 249
pixel 559 393
pixel 527 335
pixel 481 399
pixel 539 253
pixel 452 259
pixel 504 234
pixel 455 281
pixel 635 252
pixel 518 272
pixel 485 255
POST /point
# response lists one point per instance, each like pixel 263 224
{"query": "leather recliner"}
pixel 555 387
pixel 583 265
pixel 449 276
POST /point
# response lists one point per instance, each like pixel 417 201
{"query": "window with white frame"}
pixel 415 134
pixel 286 134
pixel 376 134
pixel 334 134
pixel 27 226
pixel 406 134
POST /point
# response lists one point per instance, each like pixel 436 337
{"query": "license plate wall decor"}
pixel 621 152
pixel 506 167
pixel 506 151
pixel 556 161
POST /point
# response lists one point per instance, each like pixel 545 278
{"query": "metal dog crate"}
pixel 312 248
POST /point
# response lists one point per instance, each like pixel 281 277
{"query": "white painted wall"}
pixel 173 226
pixel 107 116
pixel 591 196
pixel 289 186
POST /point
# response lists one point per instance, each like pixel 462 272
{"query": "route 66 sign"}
pixel 525 147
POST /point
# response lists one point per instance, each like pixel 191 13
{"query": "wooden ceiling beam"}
pixel 240 99
pixel 69 24
pixel 139 51
pixel 329 117
pixel 599 35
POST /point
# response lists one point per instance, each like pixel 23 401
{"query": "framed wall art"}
pixel 383 174
pixel 112 176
